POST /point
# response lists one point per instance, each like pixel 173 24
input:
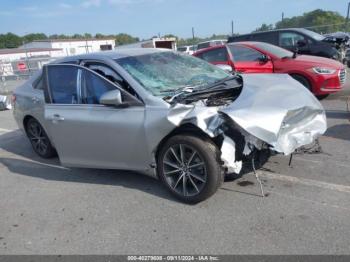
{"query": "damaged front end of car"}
pixel 264 111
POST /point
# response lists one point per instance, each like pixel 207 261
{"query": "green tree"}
pixel 10 40
pixel 35 36
pixel 264 27
pixel 318 20
pixel 122 39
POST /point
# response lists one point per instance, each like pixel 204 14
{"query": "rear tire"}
pixel 302 80
pixel 190 168
pixel 38 138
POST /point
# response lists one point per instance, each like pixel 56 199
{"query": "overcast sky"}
pixel 146 18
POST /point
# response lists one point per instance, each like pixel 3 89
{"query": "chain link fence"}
pixel 15 72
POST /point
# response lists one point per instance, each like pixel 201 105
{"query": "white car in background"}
pixel 211 43
pixel 187 49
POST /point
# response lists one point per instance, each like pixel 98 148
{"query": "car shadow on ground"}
pixel 26 162
pixel 341 131
pixel 338 114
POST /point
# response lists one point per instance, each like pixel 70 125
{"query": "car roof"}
pixel 115 54
pixel 275 30
pixel 213 40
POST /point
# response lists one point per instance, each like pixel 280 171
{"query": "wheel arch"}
pixel 306 77
pixel 188 129
pixel 26 119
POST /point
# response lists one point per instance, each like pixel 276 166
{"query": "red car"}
pixel 321 76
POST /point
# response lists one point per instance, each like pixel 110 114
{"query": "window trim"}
pixel 132 101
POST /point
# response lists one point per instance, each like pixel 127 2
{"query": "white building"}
pixel 74 46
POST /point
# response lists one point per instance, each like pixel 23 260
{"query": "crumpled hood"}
pixel 277 110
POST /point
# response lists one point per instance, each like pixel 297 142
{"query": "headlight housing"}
pixel 324 70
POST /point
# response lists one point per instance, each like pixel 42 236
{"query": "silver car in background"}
pixel 162 113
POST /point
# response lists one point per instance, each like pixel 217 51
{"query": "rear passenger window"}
pixel 244 54
pixel 265 37
pixel 63 84
pixel 216 55
pixel 290 39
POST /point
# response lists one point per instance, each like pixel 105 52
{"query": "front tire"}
pixel 38 138
pixel 190 168
pixel 302 80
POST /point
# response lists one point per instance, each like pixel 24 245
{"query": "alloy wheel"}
pixel 184 170
pixel 38 137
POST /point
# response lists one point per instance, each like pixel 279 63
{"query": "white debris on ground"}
pixel 5 103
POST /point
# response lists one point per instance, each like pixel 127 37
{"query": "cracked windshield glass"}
pixel 167 72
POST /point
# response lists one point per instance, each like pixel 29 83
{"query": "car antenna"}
pixel 257 175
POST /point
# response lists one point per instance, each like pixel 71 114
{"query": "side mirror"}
pixel 301 43
pixel 226 68
pixel 264 59
pixel 111 98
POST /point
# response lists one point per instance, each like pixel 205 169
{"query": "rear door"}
pixel 216 56
pixel 84 132
pixel 249 60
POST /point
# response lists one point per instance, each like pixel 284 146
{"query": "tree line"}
pixel 11 40
pixel 318 20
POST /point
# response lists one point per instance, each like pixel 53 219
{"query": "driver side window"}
pixel 93 87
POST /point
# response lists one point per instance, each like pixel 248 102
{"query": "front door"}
pixel 84 132
pixel 248 60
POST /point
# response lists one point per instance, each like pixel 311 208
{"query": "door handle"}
pixel 57 117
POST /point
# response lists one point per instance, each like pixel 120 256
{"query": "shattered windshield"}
pixel 165 72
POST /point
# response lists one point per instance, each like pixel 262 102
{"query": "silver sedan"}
pixel 165 114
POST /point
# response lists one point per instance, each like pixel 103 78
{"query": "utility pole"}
pixel 347 17
pixel 193 39
pixel 232 27
pixel 282 16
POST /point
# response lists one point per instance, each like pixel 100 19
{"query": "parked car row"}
pixel 320 75
pixel 298 40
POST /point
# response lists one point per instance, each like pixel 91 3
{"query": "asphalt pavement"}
pixel 48 209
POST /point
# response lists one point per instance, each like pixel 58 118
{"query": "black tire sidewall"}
pixel 302 80
pixel 208 152
pixel 50 152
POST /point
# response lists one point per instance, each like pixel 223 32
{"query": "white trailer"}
pixel 169 43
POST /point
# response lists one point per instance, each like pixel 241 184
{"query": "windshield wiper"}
pixel 222 81
pixel 176 90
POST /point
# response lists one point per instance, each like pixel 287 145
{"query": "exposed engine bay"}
pixel 265 112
